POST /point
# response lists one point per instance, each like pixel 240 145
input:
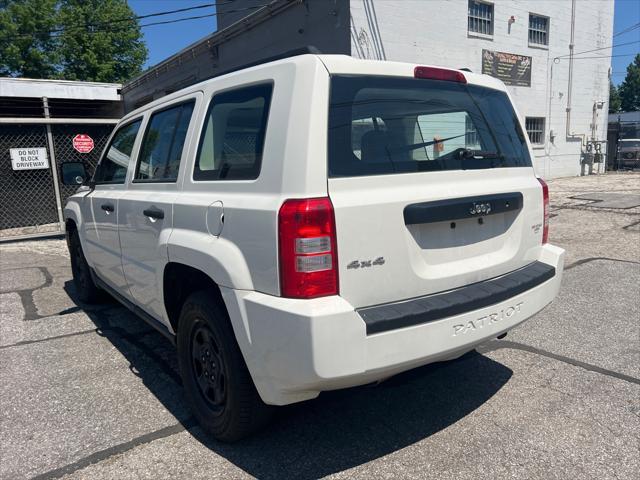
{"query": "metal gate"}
pixel 27 196
pixel 30 200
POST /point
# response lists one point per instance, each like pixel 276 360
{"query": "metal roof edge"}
pixel 62 82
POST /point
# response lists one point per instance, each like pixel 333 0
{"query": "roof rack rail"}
pixel 309 49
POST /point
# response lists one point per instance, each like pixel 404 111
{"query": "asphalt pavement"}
pixel 93 392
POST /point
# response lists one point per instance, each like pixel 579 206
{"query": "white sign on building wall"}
pixel 29 158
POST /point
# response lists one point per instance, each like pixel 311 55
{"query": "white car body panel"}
pixel 429 258
pixel 297 348
pixel 101 238
pixel 144 244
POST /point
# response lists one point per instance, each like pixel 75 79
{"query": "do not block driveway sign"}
pixel 29 158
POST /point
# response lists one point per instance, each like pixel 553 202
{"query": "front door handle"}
pixel 154 212
pixel 107 207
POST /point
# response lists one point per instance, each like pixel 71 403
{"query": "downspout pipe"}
pixel 570 135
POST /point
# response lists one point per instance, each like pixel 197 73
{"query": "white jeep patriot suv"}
pixel 314 223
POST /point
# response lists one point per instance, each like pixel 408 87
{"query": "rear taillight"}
pixel 307 248
pixel 545 203
pixel 433 73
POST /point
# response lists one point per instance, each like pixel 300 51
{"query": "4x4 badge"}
pixel 366 263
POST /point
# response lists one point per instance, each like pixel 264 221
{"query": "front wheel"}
pixel 216 380
pixel 88 291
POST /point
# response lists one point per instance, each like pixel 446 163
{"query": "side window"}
pixel 535 129
pixel 480 17
pixel 161 150
pixel 113 166
pixel 538 30
pixel 233 136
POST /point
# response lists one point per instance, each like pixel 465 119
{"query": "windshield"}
pixel 385 125
pixel 629 143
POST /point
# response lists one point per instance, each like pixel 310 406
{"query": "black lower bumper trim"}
pixel 391 316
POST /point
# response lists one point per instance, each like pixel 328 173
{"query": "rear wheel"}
pixel 88 291
pixel 216 380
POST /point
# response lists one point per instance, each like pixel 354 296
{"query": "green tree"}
pixel 93 40
pixel 26 47
pixel 630 87
pixel 614 98
pixel 101 41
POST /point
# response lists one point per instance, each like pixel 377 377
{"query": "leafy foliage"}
pixel 630 88
pixel 26 48
pixel 92 40
pixel 614 98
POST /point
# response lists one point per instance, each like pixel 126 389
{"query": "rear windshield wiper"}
pixel 466 153
pixel 425 144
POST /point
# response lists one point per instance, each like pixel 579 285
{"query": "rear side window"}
pixel 232 139
pixel 161 151
pixel 113 166
pixel 386 125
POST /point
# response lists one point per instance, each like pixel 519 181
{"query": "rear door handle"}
pixel 107 207
pixel 154 212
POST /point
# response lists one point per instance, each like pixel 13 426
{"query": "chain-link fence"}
pixel 27 197
pixel 28 200
pixel 63 144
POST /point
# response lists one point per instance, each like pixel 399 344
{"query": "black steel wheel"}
pixel 208 366
pixel 216 381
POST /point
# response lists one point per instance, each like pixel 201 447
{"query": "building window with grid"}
pixel 480 17
pixel 471 138
pixel 538 30
pixel 535 129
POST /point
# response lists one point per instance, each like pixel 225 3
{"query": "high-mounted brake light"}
pixel 307 248
pixel 545 203
pixel 433 73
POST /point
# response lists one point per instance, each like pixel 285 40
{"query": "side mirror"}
pixel 73 173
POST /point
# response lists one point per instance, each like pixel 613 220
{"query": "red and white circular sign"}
pixel 83 143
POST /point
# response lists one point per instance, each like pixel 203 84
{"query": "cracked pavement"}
pixel 92 392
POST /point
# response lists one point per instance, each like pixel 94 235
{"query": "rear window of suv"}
pixel 386 125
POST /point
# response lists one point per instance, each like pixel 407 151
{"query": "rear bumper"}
pixel 418 311
pixel 297 348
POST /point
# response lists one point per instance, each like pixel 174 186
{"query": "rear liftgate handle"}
pixel 461 208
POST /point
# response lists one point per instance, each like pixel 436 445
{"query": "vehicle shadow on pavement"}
pixel 346 428
pixel 335 432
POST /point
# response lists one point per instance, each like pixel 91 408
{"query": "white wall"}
pixel 435 32
pixel 76 90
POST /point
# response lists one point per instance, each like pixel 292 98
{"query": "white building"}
pixel 527 43
pixel 455 33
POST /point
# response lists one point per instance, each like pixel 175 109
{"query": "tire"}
pixel 88 291
pixel 216 380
